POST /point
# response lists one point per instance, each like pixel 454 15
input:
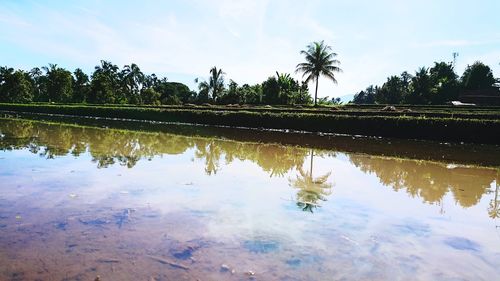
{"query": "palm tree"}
pixel 285 84
pixel 320 61
pixel 215 84
pixel 133 78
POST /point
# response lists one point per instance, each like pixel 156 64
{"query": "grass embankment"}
pixel 483 129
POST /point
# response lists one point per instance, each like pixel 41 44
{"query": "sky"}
pixel 251 40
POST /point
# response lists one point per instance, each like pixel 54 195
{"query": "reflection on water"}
pixel 77 202
pixel 311 189
pixel 432 181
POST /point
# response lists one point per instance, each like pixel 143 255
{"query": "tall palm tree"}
pixel 320 61
pixel 215 84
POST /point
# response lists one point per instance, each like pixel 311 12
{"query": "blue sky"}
pixel 250 40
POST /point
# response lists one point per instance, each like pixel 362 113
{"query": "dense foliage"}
pixel 436 85
pixel 109 84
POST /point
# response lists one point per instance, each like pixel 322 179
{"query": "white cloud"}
pixel 457 43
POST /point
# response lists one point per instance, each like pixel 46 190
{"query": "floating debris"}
pixel 250 273
pixel 224 268
pixel 72 196
pixel 105 260
pixel 168 262
pixel 18 217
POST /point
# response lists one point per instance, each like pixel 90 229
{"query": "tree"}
pixel 477 77
pixel 39 84
pixel 365 97
pixel 320 61
pixel 286 86
pixel 252 94
pixel 303 96
pixel 59 83
pixel 233 95
pixel 101 89
pixel 81 86
pixel 150 96
pixel 421 88
pixel 405 84
pixel 390 92
pixel 215 84
pixel 270 91
pixel 105 86
pixel 174 92
pixel 15 86
pixel 132 80
pixel 444 83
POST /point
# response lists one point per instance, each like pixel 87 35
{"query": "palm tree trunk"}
pixel 311 170
pixel 316 92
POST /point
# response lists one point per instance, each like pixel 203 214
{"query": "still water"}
pixel 78 202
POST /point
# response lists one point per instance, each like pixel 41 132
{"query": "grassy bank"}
pixel 422 126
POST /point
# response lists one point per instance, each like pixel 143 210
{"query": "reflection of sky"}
pixel 241 202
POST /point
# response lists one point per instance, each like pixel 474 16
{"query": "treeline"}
pixel 109 84
pixel 436 85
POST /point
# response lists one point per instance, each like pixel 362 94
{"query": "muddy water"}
pixel 78 202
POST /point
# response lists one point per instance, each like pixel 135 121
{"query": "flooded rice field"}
pixel 92 203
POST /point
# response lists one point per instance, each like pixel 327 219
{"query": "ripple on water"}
pixel 413 228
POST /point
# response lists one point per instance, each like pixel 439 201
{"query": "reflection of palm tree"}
pixel 494 209
pixel 311 189
pixel 212 154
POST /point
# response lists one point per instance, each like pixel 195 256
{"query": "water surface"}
pixel 77 202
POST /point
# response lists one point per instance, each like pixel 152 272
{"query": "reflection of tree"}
pixel 311 190
pixel 112 146
pixel 211 152
pixel 494 208
pixel 428 180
